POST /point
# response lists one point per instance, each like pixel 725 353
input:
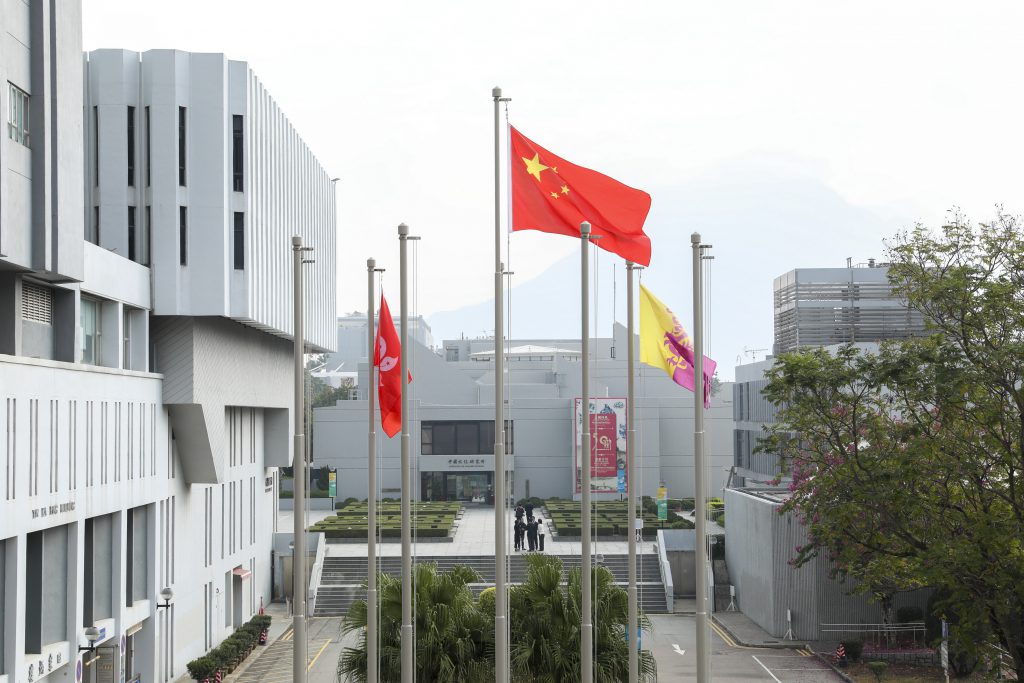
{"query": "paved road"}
pixel 673 641
pixel 275 664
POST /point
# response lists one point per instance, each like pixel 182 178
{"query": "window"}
pixel 131 146
pixel 17 115
pixel 96 146
pixel 148 228
pixel 92 229
pixel 183 235
pixel 127 323
pixel 90 320
pixel 468 437
pixel 132 244
pixel 36 303
pixel 147 149
pixel 181 146
pixel 236 153
pixel 239 240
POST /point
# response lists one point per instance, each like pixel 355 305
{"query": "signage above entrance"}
pixel 462 463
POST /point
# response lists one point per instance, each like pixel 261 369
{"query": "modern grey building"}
pixel 146 206
pixel 759 545
pixel 814 307
pixel 452 420
pixel 825 306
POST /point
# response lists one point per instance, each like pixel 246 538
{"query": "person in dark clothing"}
pixel 520 512
pixel 531 533
pixel 529 510
pixel 518 528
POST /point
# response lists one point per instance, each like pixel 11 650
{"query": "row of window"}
pixel 467 437
pixel 19 122
pixel 139 241
pixel 17 115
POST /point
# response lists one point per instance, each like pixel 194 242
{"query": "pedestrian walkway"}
pixel 274 664
pixel 474 535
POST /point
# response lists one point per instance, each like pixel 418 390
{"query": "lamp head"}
pixel 166 594
pixel 92 634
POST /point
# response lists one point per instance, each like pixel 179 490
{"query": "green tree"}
pixel 545 626
pixel 454 639
pixel 908 464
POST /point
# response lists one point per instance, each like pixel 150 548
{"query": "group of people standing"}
pixel 528 532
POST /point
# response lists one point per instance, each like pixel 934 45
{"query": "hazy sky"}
pixel 903 110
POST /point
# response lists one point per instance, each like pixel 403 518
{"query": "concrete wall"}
pixel 90 443
pixel 285 190
pixel 759 545
pixel 541 395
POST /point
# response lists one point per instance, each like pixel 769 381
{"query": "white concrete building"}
pixel 145 361
pixel 452 417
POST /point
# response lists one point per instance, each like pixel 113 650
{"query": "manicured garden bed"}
pixel 609 519
pixel 429 520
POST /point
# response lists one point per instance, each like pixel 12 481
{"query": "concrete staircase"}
pixel 342 579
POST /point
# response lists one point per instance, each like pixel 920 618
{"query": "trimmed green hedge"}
pixel 609 518
pixel 430 520
pixel 232 650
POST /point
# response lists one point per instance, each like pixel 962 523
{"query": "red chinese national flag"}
pixel 553 195
pixel 387 353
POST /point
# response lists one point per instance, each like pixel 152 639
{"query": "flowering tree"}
pixel 908 463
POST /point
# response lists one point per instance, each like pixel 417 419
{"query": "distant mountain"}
pixel 763 216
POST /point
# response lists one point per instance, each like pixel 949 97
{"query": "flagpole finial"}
pixel 371 263
pixel 403 229
pixel 495 92
pixel 695 238
pixel 585 229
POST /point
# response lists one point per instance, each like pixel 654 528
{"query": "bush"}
pixel 909 613
pixel 854 648
pixel 201 668
pixel 878 668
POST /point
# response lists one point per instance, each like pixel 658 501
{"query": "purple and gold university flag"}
pixel 664 344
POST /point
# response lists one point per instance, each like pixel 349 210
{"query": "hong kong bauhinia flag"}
pixel 553 195
pixel 387 352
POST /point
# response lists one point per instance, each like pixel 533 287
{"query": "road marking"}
pixel 722 634
pixel 287 635
pixel 766 669
pixel 318 655
pixel 675 646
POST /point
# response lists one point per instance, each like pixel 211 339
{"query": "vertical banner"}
pixel 662 502
pixel 607 444
pixel 332 483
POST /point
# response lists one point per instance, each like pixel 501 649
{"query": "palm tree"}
pixel 454 639
pixel 545 626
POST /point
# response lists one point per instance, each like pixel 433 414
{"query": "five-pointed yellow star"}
pixel 554 195
pixel 534 167
pixel 565 189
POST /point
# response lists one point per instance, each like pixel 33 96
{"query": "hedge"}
pixel 232 650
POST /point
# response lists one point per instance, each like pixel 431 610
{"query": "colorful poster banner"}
pixel 607 444
pixel 332 484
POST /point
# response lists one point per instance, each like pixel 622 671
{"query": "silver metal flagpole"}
pixel 408 675
pixel 299 472
pixel 500 603
pixel 703 627
pixel 587 635
pixel 631 487
pixel 371 483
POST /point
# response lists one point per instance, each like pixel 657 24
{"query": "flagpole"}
pixel 703 660
pixel 371 484
pixel 500 603
pixel 408 675
pixel 587 635
pixel 299 473
pixel 631 488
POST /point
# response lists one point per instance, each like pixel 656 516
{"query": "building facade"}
pixel 145 354
pixel 814 307
pixel 825 306
pixel 452 424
